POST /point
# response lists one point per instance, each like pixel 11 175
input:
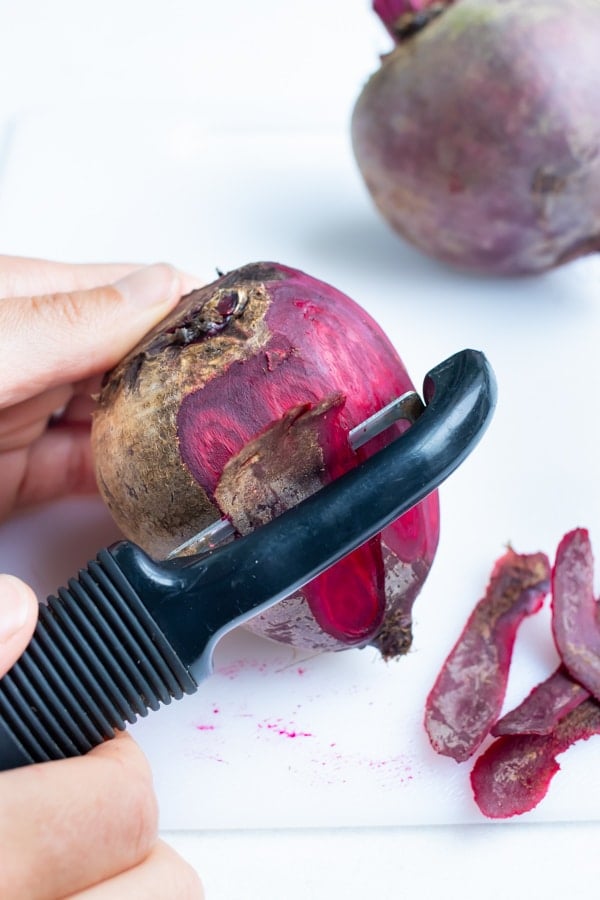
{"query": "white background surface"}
pixel 211 136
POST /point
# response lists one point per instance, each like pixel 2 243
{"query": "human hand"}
pixel 61 327
pixel 82 828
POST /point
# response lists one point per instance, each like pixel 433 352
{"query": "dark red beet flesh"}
pixel 467 696
pixel 514 773
pixel 575 611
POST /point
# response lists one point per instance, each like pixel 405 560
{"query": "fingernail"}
pixel 152 286
pixel 14 607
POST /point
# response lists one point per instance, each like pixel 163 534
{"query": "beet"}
pixel 514 773
pixel 575 611
pixel 478 136
pixel 468 693
pixel 239 404
pixel 403 18
pixel 544 706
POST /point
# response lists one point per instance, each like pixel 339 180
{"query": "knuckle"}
pixel 143 817
pixel 79 466
pixel 131 779
pixel 66 309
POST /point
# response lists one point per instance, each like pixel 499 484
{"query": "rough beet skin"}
pixel 239 404
pixel 478 136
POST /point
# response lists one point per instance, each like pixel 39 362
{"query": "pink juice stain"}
pixel 233 670
pixel 239 667
pixel 287 731
pixel 206 726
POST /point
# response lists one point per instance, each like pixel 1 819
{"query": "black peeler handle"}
pixel 130 633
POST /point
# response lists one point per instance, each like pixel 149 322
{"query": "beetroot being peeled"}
pixel 240 404
pixel 478 137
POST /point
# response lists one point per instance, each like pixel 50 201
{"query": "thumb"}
pixel 18 615
pixel 66 337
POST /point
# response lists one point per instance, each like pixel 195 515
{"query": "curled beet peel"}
pixel 239 404
pixel 478 137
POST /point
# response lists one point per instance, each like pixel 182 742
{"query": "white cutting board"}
pixel 274 739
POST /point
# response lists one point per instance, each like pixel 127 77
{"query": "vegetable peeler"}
pixel 130 633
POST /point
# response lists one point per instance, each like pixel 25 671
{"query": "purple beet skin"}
pixel 478 137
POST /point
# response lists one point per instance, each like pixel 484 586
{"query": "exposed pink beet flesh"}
pixel 575 611
pixel 467 696
pixel 544 707
pixel 240 404
pixel 514 773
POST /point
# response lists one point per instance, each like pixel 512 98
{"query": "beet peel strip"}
pixel 575 611
pixel 468 693
pixel 513 775
pixel 543 708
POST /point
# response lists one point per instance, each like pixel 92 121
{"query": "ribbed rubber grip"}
pixel 96 661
